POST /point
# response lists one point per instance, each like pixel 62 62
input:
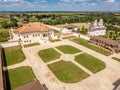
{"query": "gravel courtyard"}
pixel 102 80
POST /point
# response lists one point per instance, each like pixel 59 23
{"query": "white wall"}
pixel 33 37
pixel 97 33
pixel 55 28
pixel 10 44
pixel 85 37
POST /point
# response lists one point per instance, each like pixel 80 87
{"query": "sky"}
pixel 60 5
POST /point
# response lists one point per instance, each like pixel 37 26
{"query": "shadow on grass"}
pixel 5 73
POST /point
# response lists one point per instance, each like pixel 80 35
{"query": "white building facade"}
pixel 69 28
pixel 33 32
pixel 97 28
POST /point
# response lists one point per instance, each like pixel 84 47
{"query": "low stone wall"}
pixel 1 71
pixel 10 44
pixel 84 37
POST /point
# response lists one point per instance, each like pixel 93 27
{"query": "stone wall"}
pixel 1 70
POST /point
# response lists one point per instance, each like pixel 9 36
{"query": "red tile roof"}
pixel 33 27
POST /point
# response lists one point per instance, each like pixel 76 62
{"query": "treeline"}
pixel 55 18
pixel 4 35
pixel 113 32
pixel 8 24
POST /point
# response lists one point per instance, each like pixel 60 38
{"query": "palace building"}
pixel 97 28
pixel 33 32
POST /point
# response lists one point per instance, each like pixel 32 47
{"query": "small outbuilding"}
pixel 70 28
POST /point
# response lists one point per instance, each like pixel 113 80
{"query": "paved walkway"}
pixel 100 81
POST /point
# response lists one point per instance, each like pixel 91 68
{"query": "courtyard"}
pixel 83 78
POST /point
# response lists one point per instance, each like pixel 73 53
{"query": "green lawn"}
pixel 14 55
pixel 49 54
pixel 88 45
pixel 32 44
pixel 20 76
pixel 67 72
pixel 91 63
pixel 56 32
pixel 69 37
pixel 116 59
pixel 56 40
pixel 67 49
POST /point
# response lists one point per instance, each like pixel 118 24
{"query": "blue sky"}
pixel 59 5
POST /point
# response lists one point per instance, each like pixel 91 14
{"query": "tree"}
pixel 5 24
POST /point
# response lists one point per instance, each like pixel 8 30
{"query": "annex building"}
pixel 69 28
pixel 109 44
pixel 33 32
pixel 97 28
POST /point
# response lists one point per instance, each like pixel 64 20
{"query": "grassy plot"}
pixel 117 59
pixel 49 54
pixel 91 63
pixel 32 44
pixel 57 32
pixel 67 72
pixel 20 76
pixel 88 45
pixel 56 40
pixel 67 49
pixel 69 37
pixel 14 55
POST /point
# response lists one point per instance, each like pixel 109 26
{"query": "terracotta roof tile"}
pixel 33 27
pixel 106 40
pixel 35 85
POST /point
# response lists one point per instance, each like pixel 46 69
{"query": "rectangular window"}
pixel 43 35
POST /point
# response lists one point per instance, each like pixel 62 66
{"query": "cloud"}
pixel 108 1
pixel 92 4
pixel 74 0
pixel 11 0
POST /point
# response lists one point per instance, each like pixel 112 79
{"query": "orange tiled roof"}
pixel 33 27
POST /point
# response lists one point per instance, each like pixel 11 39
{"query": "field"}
pixel 4 19
pixel 90 46
pixel 91 63
pixel 20 76
pixel 49 54
pixel 14 55
pixel 67 49
pixel 80 25
pixel 67 72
